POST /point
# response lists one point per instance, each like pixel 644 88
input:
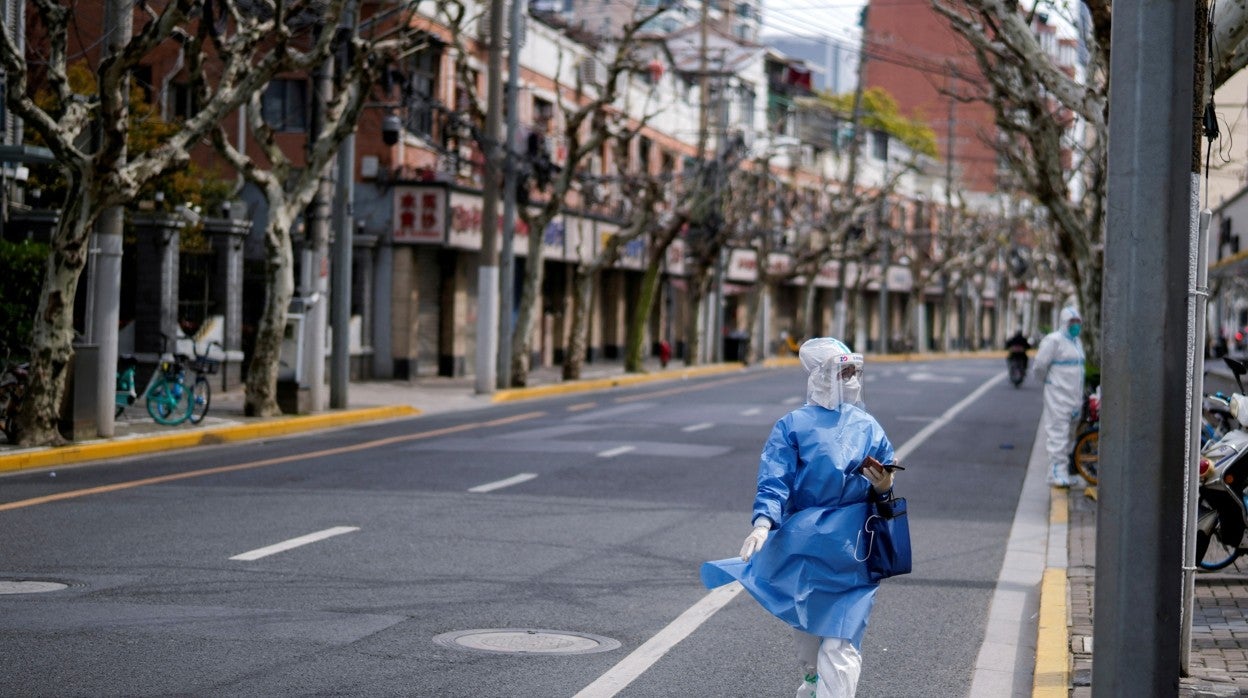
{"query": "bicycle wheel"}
pixel 1211 552
pixel 1087 450
pixel 163 403
pixel 201 398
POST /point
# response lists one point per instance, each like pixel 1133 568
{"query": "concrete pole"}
pixel 510 176
pixel 487 273
pixel 1146 329
pixel 106 282
pixel 344 227
pixel 315 259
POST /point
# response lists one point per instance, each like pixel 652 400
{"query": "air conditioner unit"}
pixel 484 24
pixel 588 72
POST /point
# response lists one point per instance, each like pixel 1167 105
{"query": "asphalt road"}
pixel 591 516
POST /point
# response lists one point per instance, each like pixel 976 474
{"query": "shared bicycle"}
pixel 171 397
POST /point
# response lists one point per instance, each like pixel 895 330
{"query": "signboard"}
pixel 742 265
pixel 675 261
pixel 465 227
pixel 419 214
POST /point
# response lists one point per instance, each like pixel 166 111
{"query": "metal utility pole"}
pixel 950 143
pixel 487 273
pixel 314 275
pixel 106 280
pixel 851 191
pixel 1143 420
pixel 510 177
pixel 344 227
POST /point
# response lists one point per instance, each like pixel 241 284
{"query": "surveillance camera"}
pixel 390 127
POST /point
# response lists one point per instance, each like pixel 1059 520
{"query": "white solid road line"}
pixel 500 484
pixel 698 427
pixel 636 664
pixel 295 543
pixel 904 452
pixel 642 658
pixel 613 452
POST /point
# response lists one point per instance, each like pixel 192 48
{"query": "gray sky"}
pixel 835 18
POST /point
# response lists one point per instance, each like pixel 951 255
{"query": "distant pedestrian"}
pixel 1059 364
pixel 665 353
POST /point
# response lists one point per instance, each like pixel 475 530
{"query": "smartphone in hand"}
pixel 870 462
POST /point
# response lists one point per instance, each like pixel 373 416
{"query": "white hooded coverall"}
pixel 1059 364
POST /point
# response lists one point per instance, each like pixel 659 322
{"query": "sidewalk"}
pixel 1219 654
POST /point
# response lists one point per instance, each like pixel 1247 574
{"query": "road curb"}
pixel 541 391
pixel 120 448
pixel 1052 676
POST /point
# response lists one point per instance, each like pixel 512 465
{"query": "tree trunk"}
pixel 698 285
pixel 754 343
pixel 530 297
pixel 574 357
pixel 635 354
pixel 808 305
pixel 260 399
pixel 51 349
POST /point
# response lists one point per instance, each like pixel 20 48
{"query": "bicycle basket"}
pixel 208 366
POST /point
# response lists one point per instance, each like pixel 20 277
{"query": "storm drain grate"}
pixel 526 641
pixel 29 587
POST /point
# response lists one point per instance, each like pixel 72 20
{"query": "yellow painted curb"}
pixel 120 448
pixel 540 391
pixel 1052 677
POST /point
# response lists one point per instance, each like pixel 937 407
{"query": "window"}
pixel 181 101
pixel 285 105
pixel 747 108
pixel 543 112
pixel 879 145
pixel 643 156
pixel 421 93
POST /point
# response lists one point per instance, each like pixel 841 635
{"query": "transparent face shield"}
pixel 835 374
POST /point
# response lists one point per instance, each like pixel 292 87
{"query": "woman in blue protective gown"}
pixel 805 561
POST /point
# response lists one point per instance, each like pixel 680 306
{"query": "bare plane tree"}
pixel 256 47
pixel 1031 96
pixel 288 190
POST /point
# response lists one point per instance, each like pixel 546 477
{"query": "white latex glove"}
pixel 755 540
pixel 881 479
pixel 1239 408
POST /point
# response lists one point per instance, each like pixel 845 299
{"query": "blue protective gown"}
pixel 809 572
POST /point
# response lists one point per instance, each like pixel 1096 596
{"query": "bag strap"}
pixel 886 505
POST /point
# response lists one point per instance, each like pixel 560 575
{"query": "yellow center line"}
pixel 131 484
pixel 582 406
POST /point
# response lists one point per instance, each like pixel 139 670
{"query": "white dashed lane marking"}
pixel 500 484
pixel 294 543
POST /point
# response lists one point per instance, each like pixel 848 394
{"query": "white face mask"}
pixel 824 387
pixel 851 391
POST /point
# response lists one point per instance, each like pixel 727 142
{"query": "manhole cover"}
pixel 10 587
pixel 527 641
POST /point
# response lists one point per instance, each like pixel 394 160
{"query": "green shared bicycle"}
pixel 171 400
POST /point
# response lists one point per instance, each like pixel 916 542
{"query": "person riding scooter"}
pixel 1016 358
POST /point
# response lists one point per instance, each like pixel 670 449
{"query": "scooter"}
pixel 1017 363
pixel 1222 514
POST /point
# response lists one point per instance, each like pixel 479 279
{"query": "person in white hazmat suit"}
pixel 815 475
pixel 1059 365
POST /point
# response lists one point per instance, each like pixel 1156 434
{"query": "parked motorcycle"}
pixel 1222 514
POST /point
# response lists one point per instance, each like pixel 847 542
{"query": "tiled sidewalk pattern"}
pixel 1219 654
